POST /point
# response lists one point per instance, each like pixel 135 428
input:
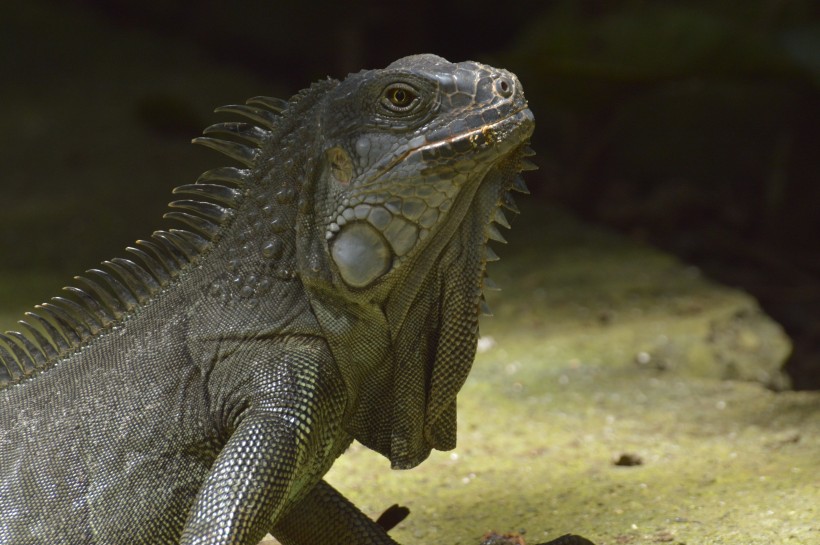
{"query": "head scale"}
pixel 415 161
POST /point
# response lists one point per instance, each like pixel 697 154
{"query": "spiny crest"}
pixel 105 296
pixel 492 233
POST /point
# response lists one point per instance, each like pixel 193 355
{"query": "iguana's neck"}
pixel 405 347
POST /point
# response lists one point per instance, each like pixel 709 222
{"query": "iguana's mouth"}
pixel 490 136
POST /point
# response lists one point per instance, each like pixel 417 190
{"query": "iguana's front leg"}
pixel 325 517
pixel 281 404
pixel 247 484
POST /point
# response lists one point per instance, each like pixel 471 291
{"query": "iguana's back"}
pixel 114 434
pixel 107 426
pixel 126 419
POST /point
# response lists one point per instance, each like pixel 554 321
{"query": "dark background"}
pixel 692 125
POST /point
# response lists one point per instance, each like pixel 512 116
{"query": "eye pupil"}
pixel 399 98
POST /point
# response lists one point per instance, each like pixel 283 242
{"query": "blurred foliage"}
pixel 303 41
pixel 646 103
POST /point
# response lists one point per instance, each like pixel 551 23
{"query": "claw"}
pixel 569 539
pixel 392 516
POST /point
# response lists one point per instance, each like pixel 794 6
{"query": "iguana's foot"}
pixel 515 538
pixel 569 539
pixel 392 516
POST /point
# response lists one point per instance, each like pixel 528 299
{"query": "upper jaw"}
pixel 482 144
pixel 447 151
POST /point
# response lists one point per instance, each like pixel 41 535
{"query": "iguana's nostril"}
pixel 504 86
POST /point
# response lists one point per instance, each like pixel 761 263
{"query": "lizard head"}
pixel 416 161
pixel 423 129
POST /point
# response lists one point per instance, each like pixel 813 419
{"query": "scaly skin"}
pixel 328 291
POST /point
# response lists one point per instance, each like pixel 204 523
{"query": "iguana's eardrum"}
pixel 327 290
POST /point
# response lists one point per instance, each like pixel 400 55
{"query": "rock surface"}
pixel 600 405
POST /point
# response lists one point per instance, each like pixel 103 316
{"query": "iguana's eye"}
pixel 399 98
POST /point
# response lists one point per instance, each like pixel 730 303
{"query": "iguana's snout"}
pixel 430 128
pixel 492 119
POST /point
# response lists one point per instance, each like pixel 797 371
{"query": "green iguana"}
pixel 198 391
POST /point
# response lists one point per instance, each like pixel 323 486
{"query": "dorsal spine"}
pixel 106 296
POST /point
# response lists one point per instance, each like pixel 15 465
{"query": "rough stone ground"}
pixel 601 349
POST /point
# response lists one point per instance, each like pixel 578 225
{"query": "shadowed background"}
pixel 693 125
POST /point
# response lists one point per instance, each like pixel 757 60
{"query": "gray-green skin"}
pixel 328 291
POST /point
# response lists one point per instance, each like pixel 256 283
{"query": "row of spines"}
pixel 105 296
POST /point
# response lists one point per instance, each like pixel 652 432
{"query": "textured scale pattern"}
pixel 62 326
pixel 326 290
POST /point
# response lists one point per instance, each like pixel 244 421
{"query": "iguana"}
pixel 329 290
